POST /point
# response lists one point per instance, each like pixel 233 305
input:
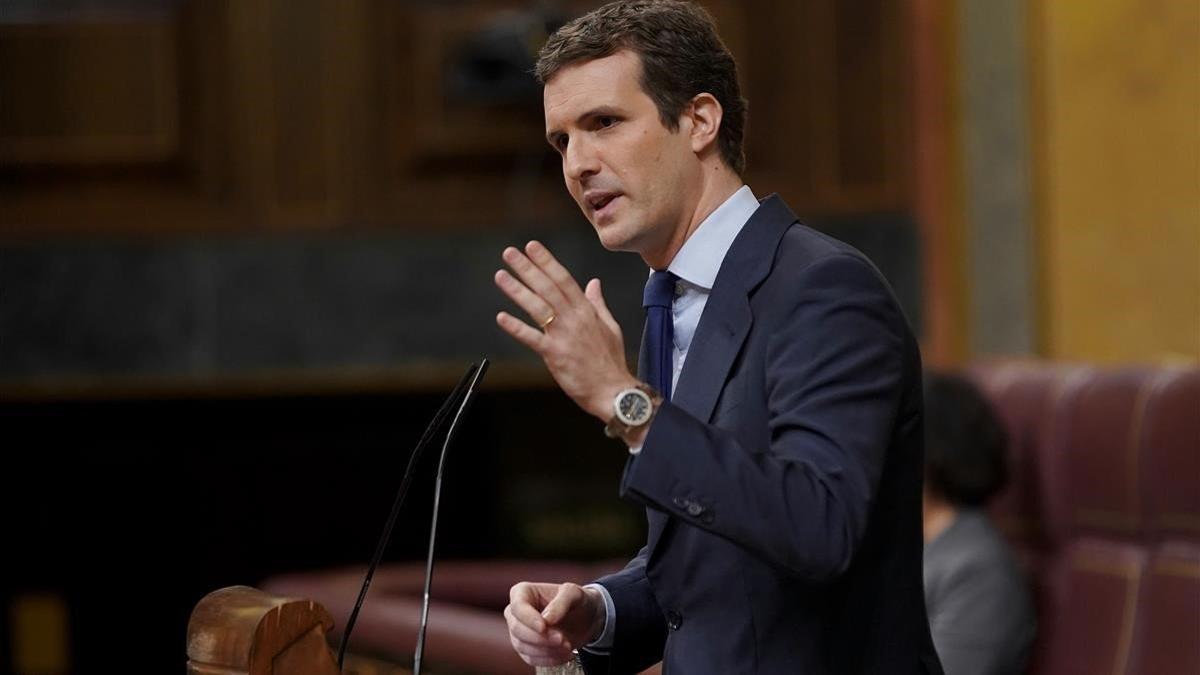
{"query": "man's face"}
pixel 633 179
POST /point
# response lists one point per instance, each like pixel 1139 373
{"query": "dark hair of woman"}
pixel 965 443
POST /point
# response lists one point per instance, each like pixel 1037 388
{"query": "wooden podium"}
pixel 242 631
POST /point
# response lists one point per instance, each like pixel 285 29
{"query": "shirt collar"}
pixel 699 259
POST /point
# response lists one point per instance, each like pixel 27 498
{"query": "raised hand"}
pixel 579 340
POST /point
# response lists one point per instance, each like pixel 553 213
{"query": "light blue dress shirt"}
pixel 696 264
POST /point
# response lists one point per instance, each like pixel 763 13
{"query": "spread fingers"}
pixel 538 309
pixel 521 331
pixel 541 256
pixel 534 277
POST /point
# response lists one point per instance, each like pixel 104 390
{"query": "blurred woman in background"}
pixel 977 597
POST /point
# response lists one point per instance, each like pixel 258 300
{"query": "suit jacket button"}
pixel 674 620
pixel 694 509
pixel 681 502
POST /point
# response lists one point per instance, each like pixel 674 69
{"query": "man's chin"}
pixel 612 239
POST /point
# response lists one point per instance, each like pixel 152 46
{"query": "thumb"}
pixel 568 596
pixel 596 296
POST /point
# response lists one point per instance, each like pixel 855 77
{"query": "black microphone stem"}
pixel 472 377
pixel 437 497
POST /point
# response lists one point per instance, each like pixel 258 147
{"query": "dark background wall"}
pixel 192 311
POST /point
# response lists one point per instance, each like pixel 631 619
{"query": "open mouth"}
pixel 600 203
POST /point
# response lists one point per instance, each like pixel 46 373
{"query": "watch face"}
pixel 634 407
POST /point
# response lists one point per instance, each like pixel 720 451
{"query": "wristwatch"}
pixel 633 409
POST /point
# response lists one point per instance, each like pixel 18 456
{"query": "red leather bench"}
pixel 1105 509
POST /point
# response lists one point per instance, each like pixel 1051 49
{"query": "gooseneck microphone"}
pixel 461 395
pixel 437 496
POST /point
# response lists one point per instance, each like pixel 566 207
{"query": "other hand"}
pixel 547 621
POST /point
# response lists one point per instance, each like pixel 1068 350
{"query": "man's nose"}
pixel 580 160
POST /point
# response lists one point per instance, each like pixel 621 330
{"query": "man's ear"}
pixel 705 113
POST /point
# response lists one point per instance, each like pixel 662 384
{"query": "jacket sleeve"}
pixel 641 630
pixel 835 375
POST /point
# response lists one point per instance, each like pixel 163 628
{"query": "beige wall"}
pixel 1116 112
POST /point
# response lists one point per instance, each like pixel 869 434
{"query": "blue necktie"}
pixel 660 342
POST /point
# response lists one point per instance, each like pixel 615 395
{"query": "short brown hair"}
pixel 681 56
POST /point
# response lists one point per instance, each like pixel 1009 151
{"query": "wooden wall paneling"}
pixel 287 139
pixel 303 128
pixel 733 23
pixel 353 91
pixel 284 140
pixel 821 34
pixel 898 88
pixel 778 78
pixel 861 166
pixel 448 127
pixel 88 93
pixel 859 129
pixel 937 190
pixel 367 110
pixel 205 97
pixel 828 120
pixel 319 113
pixel 827 126
pixel 158 77
pixel 869 105
pixel 458 162
pixel 249 103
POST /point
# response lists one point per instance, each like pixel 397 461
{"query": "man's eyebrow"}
pixel 599 111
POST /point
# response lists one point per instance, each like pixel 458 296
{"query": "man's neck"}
pixel 719 185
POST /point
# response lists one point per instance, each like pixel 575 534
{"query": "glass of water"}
pixel 572 667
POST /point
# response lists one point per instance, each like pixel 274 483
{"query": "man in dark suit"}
pixel 775 431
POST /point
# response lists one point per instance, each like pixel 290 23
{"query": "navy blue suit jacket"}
pixel 783 480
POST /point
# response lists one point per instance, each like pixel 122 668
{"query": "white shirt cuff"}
pixel 602 644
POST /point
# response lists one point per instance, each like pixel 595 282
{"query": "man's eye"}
pixel 560 143
pixel 606 121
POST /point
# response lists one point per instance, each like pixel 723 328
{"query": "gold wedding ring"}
pixel 549 320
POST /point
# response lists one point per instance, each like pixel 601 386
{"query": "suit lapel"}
pixel 727 318
pixel 724 324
